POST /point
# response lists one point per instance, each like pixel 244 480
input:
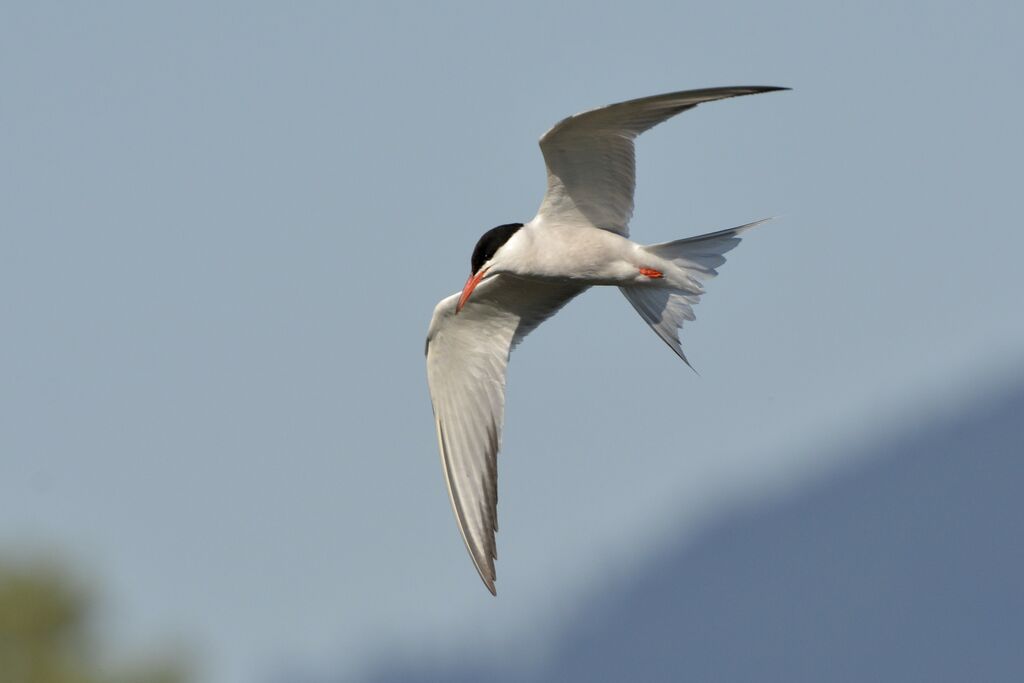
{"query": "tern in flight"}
pixel 523 274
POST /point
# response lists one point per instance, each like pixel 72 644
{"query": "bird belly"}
pixel 582 255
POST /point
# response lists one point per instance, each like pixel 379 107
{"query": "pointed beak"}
pixel 471 284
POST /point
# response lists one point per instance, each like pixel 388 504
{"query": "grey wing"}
pixel 467 357
pixel 591 161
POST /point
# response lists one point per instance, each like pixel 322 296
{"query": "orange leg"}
pixel 652 273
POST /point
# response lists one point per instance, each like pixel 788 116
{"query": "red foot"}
pixel 652 273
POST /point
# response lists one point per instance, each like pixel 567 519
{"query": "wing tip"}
pixel 753 89
pixel 740 229
pixel 486 572
pixel 742 90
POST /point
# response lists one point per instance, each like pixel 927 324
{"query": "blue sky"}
pixel 225 228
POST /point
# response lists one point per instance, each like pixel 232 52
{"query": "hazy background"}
pixel 223 229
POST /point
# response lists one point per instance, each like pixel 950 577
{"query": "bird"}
pixel 523 273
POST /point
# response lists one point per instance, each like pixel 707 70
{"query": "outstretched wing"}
pixel 467 354
pixel 590 156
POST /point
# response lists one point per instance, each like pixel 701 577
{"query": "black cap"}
pixel 489 243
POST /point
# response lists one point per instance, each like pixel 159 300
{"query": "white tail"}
pixel 666 308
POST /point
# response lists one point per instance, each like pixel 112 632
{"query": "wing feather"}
pixel 467 357
pixel 591 160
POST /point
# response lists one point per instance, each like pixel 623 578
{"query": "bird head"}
pixel 486 256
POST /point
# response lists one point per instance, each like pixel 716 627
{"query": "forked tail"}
pixel 666 308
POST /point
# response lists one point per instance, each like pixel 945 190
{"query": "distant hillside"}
pixel 908 567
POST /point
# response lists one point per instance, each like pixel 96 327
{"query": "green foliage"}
pixel 46 633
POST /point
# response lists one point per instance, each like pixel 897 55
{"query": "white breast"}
pixel 573 254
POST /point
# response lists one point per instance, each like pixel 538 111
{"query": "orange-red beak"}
pixel 471 284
